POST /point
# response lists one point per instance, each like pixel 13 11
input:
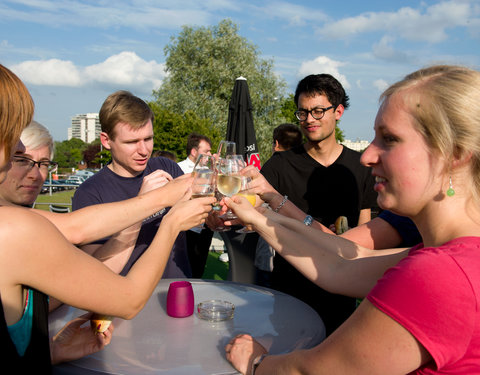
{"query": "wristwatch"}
pixel 308 220
pixel 256 362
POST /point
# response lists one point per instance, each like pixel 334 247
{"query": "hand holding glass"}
pixel 251 198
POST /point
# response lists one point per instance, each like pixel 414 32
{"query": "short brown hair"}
pixel 123 106
pixel 16 109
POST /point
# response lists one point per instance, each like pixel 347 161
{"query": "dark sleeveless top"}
pixel 37 356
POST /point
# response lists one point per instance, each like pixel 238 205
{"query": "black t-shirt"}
pixel 341 189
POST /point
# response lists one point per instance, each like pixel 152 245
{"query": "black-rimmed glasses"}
pixel 317 113
pixel 24 162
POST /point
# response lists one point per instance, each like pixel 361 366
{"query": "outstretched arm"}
pixel 117 250
pixel 334 263
pixel 343 352
pixel 88 224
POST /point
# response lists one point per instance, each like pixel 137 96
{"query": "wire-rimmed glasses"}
pixel 317 113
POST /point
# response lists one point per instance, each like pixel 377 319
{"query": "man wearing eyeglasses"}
pixel 325 180
pixel 30 167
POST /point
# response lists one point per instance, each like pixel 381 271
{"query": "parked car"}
pixel 55 185
pixel 74 180
pixel 84 174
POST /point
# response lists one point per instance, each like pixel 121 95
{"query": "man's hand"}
pixel 241 351
pixel 74 341
pixel 154 180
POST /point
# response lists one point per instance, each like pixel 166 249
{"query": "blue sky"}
pixel 73 54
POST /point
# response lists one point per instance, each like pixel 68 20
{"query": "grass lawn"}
pixel 59 197
pixel 214 269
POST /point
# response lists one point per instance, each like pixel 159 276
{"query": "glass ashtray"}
pixel 215 310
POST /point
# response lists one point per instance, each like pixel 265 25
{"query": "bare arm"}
pixel 391 350
pixel 364 216
pixel 59 269
pixel 334 263
pixel 118 249
pixel 88 224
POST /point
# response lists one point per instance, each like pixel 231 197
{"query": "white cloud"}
pixel 125 69
pixel 384 50
pixel 380 84
pixel 291 14
pixel 412 24
pixel 323 64
pixel 51 72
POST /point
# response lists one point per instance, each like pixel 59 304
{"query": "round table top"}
pixel 154 342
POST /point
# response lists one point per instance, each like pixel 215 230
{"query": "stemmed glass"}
pixel 226 148
pixel 204 177
pixel 229 180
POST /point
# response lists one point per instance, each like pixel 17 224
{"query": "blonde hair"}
pixel 35 135
pixel 16 109
pixel 444 101
pixel 123 106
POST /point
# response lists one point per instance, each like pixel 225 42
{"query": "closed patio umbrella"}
pixel 240 127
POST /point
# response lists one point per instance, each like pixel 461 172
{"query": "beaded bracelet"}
pixel 285 199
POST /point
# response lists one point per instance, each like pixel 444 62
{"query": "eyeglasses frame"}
pixel 51 164
pixel 311 112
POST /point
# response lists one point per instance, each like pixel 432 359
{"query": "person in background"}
pixel 199 239
pixel 286 136
pixel 325 180
pixel 420 314
pixel 38 259
pixel 30 167
pixel 127 132
pixel 166 154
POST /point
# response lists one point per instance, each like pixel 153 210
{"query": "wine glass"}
pixel 229 180
pixel 251 198
pixel 204 177
pixel 226 148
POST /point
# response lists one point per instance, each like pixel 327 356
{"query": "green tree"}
pixel 69 153
pixel 172 128
pixel 202 64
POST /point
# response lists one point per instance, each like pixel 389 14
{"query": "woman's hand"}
pixel 259 184
pixel 241 351
pixel 74 341
pixel 245 212
pixel 188 213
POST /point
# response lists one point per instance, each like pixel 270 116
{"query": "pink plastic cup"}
pixel 180 299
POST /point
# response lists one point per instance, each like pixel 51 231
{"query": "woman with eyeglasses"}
pixel 38 259
pixel 421 310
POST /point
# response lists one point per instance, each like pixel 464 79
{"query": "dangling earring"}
pixel 450 191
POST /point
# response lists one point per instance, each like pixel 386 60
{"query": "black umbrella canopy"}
pixel 240 128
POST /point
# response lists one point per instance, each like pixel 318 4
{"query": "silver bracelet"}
pixel 285 199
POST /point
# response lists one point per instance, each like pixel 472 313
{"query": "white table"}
pixel 153 342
